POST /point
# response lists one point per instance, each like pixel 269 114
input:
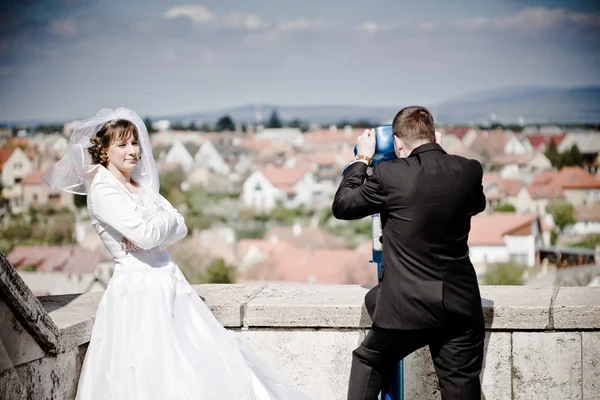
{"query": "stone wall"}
pixel 541 343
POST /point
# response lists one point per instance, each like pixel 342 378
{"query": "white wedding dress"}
pixel 153 337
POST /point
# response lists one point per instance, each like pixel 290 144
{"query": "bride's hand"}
pixel 127 245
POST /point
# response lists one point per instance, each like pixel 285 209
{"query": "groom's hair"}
pixel 110 132
pixel 414 124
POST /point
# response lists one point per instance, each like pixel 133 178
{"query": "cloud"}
pixel 528 19
pixel 195 12
pixel 535 18
pixel 301 24
pixel 63 27
pixel 202 15
pixel 370 27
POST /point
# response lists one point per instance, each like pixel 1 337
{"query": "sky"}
pixel 66 59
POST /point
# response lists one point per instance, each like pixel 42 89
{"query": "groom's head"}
pixel 412 127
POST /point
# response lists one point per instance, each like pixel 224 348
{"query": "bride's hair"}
pixel 111 131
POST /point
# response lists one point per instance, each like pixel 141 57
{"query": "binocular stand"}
pixel 395 386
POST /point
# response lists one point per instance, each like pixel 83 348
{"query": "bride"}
pixel 153 337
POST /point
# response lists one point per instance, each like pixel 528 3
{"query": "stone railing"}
pixel 541 343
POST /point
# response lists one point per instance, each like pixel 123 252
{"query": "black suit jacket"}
pixel 426 202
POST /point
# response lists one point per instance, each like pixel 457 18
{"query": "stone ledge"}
pixel 26 307
pixel 577 308
pixel 280 306
pixel 517 307
pixel 312 306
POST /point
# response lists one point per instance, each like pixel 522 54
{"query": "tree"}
pixel 171 179
pixel 589 241
pixel 553 154
pixel 148 124
pixel 505 207
pixel 274 121
pixel 219 272
pixel 562 212
pixel 504 274
pixel 225 123
pixel 572 157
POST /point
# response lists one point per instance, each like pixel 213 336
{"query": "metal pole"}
pixel 395 386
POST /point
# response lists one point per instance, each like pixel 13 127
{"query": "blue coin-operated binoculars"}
pixel 395 386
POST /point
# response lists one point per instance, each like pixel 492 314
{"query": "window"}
pixel 258 188
pixel 54 199
pixel 35 199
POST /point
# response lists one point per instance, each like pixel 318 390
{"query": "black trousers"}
pixel 457 353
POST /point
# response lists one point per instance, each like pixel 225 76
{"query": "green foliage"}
pixel 149 127
pixel 352 231
pixel 504 274
pixel 80 201
pixel 562 212
pixel 505 207
pixel 274 121
pixel 571 157
pixel 553 155
pixel 225 123
pixel 171 179
pixel 219 272
pixel 287 215
pixel 28 268
pixel 588 242
pixel 553 238
pixel 251 233
pixel 38 226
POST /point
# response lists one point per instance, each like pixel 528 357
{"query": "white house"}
pixel 179 155
pixel 505 237
pixel 208 156
pixel 292 187
pixel 517 165
pixel 588 220
pixel 291 136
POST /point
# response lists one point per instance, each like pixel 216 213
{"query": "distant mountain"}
pixel 315 114
pixel 533 104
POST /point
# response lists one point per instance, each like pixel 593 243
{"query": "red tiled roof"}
pixel 550 184
pixel 5 155
pixel 537 140
pixel 337 266
pixel 460 132
pixel 489 230
pixel 69 259
pixel 284 178
pixel 35 178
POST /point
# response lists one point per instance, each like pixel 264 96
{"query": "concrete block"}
pixel 590 346
pixel 496 374
pixel 577 308
pixel 51 377
pixel 17 344
pixel 315 362
pixel 309 306
pixel 547 365
pixel 516 307
pixel 421 383
pixel 74 315
pixel 226 302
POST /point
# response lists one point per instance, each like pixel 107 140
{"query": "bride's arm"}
pixel 112 207
pixel 180 230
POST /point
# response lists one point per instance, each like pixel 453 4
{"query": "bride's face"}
pixel 124 154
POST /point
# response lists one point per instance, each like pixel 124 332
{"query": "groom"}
pixel 428 293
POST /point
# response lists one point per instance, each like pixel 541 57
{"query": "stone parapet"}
pixel 540 342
